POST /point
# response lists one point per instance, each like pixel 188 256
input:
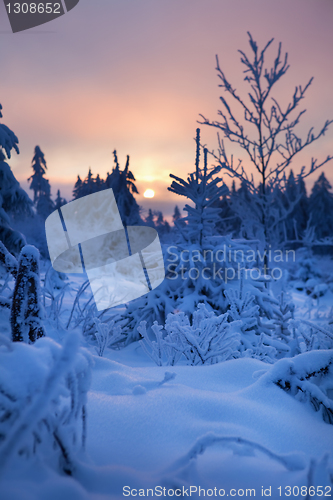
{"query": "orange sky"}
pixel 134 76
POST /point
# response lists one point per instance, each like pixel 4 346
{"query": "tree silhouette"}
pixel 267 135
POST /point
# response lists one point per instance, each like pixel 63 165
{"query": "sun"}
pixel 149 193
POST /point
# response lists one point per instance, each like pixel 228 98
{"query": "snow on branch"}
pixel 107 335
pixel 307 377
pixel 292 462
pixel 209 339
pixel 43 392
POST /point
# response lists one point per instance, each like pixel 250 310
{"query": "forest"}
pixel 241 324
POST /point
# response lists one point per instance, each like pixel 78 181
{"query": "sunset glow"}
pixel 149 193
pixel 152 89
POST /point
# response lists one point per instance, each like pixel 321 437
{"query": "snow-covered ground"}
pixel 225 428
pixel 222 426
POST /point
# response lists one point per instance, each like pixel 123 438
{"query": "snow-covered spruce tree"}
pixel 123 184
pixel 176 214
pixel 197 262
pixel 14 201
pixel 150 219
pixel 229 222
pixel 155 219
pixel 203 190
pixel 321 208
pixel 45 205
pixel 194 274
pixel 37 178
pixel 88 186
pixel 268 137
pixel 162 225
pixel 59 201
pixel 26 309
pixel 296 223
pixel 41 186
pixel 77 189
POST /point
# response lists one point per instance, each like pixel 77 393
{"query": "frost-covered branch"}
pixel 268 137
pixel 209 339
pixel 290 462
pixel 40 415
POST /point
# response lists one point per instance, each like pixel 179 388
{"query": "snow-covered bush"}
pixel 53 293
pixel 43 389
pixel 308 377
pixel 254 342
pixel 107 334
pixel 8 261
pixel 8 266
pixel 83 310
pixel 260 315
pixel 309 336
pixel 26 309
pixel 209 339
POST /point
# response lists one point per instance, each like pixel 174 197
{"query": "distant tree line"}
pixel 314 210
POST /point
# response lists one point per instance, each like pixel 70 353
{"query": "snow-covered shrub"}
pixel 43 390
pixel 83 310
pixel 309 336
pixel 243 309
pixel 156 348
pixel 283 315
pixel 209 339
pixel 8 261
pixel 107 334
pixel 307 377
pixel 53 292
pixel 258 338
pixel 26 309
pixel 54 279
pixel 9 266
pixel 305 266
